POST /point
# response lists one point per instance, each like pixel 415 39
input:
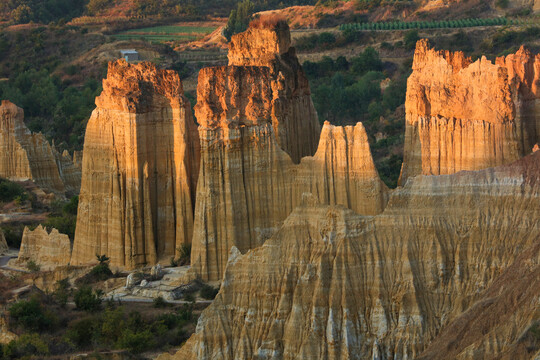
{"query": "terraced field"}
pixel 169 33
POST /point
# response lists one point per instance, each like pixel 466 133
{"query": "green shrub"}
pixel 136 342
pixel 28 345
pixel 185 312
pixel 503 4
pixel 84 332
pixel 88 300
pixel 410 39
pixel 71 206
pixel 189 297
pixel 31 315
pixel 184 254
pixel 32 266
pixel 159 302
pixel 208 292
pixel 10 190
pixel 61 292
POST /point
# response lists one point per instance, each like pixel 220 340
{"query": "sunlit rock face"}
pixel 332 284
pixel 48 250
pixel 140 166
pixel 464 115
pixel 28 156
pixel 293 117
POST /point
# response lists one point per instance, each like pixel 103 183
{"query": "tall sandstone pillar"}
pixel 258 132
pixel 465 115
pixel 140 167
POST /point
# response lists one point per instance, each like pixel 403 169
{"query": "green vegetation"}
pixel 41 11
pixel 209 292
pixel 58 110
pixel 63 216
pixel 184 254
pixel 166 33
pixel 87 299
pixel 505 42
pixel 10 191
pixel 372 4
pixel 32 266
pixel 159 302
pixel 47 327
pixel 239 18
pixel 100 272
pixel 26 347
pixel 440 24
pixel 346 91
pixel 30 315
pixel 117 329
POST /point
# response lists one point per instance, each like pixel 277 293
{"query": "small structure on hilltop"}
pixel 130 55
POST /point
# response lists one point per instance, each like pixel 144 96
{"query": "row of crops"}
pixel 442 24
pixel 170 33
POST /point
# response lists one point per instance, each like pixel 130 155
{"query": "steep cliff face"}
pixel 293 115
pixel 248 186
pixel 24 155
pixel 49 250
pixel 462 115
pixel 332 284
pixel 140 168
pixel 253 114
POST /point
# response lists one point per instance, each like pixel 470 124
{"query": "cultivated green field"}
pixel 169 33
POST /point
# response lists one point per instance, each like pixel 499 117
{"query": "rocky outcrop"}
pixel 140 168
pixel 253 114
pixel 464 115
pixel 24 155
pixel 267 43
pixel 3 243
pixel 332 284
pixel 49 250
pixel 248 186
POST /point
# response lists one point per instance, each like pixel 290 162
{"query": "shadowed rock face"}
pixel 24 155
pixel 462 115
pixel 332 284
pixel 3 244
pixel 140 168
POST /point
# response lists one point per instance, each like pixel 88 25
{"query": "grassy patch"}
pixel 168 33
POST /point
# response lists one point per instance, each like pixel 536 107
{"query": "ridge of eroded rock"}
pixel 464 115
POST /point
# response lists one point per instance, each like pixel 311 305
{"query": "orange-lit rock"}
pixel 464 115
pixel 24 155
pixel 140 168
pixel 294 119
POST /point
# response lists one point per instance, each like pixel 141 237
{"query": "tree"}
pixel 88 300
pixel 239 18
pixel 410 39
pixel 369 60
pixel 22 14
